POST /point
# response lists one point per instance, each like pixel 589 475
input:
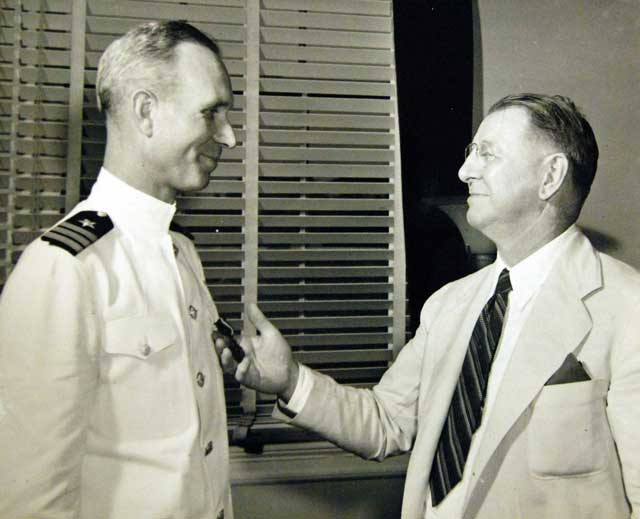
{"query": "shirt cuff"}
pixel 300 394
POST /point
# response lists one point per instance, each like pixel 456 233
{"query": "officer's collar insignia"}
pixel 79 231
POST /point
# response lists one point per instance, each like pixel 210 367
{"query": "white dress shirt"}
pixel 527 277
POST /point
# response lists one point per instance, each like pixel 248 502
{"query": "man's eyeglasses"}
pixel 482 150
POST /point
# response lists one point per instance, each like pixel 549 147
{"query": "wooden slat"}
pixel 209 220
pixel 331 21
pixel 63 6
pixel 324 204
pixel 370 7
pixel 327 87
pixel 327 221
pixel 322 323
pixel 368 40
pixel 225 273
pixel 344 155
pixel 44 94
pixel 333 121
pixel 219 238
pixel 48 147
pixel 218 185
pixel 39 221
pixel 48 75
pixel 39 202
pixel 221 255
pixel 46 165
pixel 219 204
pixel 277 103
pixel 331 289
pixel 277 273
pixel 326 137
pixel 324 238
pixel 328 306
pixel 325 171
pixel 314 54
pixel 165 11
pixel 47 21
pixel 50 57
pixel 40 112
pixel 225 290
pixel 48 130
pixel 339 339
pixel 328 71
pixel 326 188
pixel 49 39
pixel 327 255
pixel 40 183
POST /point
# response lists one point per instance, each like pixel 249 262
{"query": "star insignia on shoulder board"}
pixel 87 223
pixel 79 231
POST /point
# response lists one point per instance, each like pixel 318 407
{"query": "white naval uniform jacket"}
pixel 111 395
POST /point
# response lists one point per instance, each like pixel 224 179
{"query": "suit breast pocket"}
pixel 568 435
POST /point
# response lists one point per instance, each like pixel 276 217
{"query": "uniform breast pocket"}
pixel 138 343
pixel 568 435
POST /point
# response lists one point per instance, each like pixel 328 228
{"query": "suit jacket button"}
pixel 200 379
pixel 220 515
pixel 145 350
pixel 208 448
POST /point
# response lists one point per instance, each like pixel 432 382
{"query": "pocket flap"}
pixel 139 336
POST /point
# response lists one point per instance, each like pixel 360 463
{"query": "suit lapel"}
pixel 556 326
pixel 447 344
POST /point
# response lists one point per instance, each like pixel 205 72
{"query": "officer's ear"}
pixel 144 105
pixel 555 168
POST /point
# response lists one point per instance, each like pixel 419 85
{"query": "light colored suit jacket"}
pixel 549 451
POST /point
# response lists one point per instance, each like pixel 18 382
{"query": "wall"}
pixel 589 51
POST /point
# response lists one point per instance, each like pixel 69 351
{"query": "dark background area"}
pixel 434 67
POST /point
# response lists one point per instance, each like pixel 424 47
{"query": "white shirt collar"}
pixel 528 275
pixel 132 210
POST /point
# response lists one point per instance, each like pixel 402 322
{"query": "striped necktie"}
pixel 467 403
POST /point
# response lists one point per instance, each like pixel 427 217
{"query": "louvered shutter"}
pixel 34 106
pixel 328 186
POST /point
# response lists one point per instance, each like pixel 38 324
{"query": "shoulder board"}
pixel 79 231
pixel 176 227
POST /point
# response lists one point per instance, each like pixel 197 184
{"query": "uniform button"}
pixel 208 448
pixel 220 515
pixel 145 350
pixel 175 250
pixel 193 312
pixel 200 379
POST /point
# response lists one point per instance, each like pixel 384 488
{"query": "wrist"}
pixel 294 374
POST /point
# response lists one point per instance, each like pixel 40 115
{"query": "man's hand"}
pixel 268 365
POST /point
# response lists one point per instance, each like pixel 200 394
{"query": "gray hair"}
pixel 142 54
pixel 563 124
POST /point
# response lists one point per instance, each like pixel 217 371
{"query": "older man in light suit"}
pixel 520 393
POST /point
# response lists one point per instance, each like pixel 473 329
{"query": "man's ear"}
pixel 144 105
pixel 555 169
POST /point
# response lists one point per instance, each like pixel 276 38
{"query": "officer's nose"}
pixel 225 135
